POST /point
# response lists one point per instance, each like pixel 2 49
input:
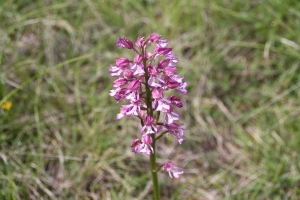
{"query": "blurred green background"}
pixel 60 139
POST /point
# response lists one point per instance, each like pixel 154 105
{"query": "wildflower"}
pixel 6 105
pixel 173 171
pixel 143 81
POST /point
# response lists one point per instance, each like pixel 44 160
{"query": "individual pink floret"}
pixel 176 130
pixel 143 146
pixel 149 125
pixel 173 171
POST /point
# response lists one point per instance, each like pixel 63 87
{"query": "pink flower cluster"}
pixel 142 82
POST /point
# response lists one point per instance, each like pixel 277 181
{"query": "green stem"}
pixel 150 112
pixel 154 171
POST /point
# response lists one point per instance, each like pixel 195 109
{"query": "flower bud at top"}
pixel 125 43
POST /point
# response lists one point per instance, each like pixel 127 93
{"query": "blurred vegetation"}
pixel 60 139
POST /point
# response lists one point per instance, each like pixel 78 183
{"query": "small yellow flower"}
pixel 7 105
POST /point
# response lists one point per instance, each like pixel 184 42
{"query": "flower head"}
pixel 142 81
